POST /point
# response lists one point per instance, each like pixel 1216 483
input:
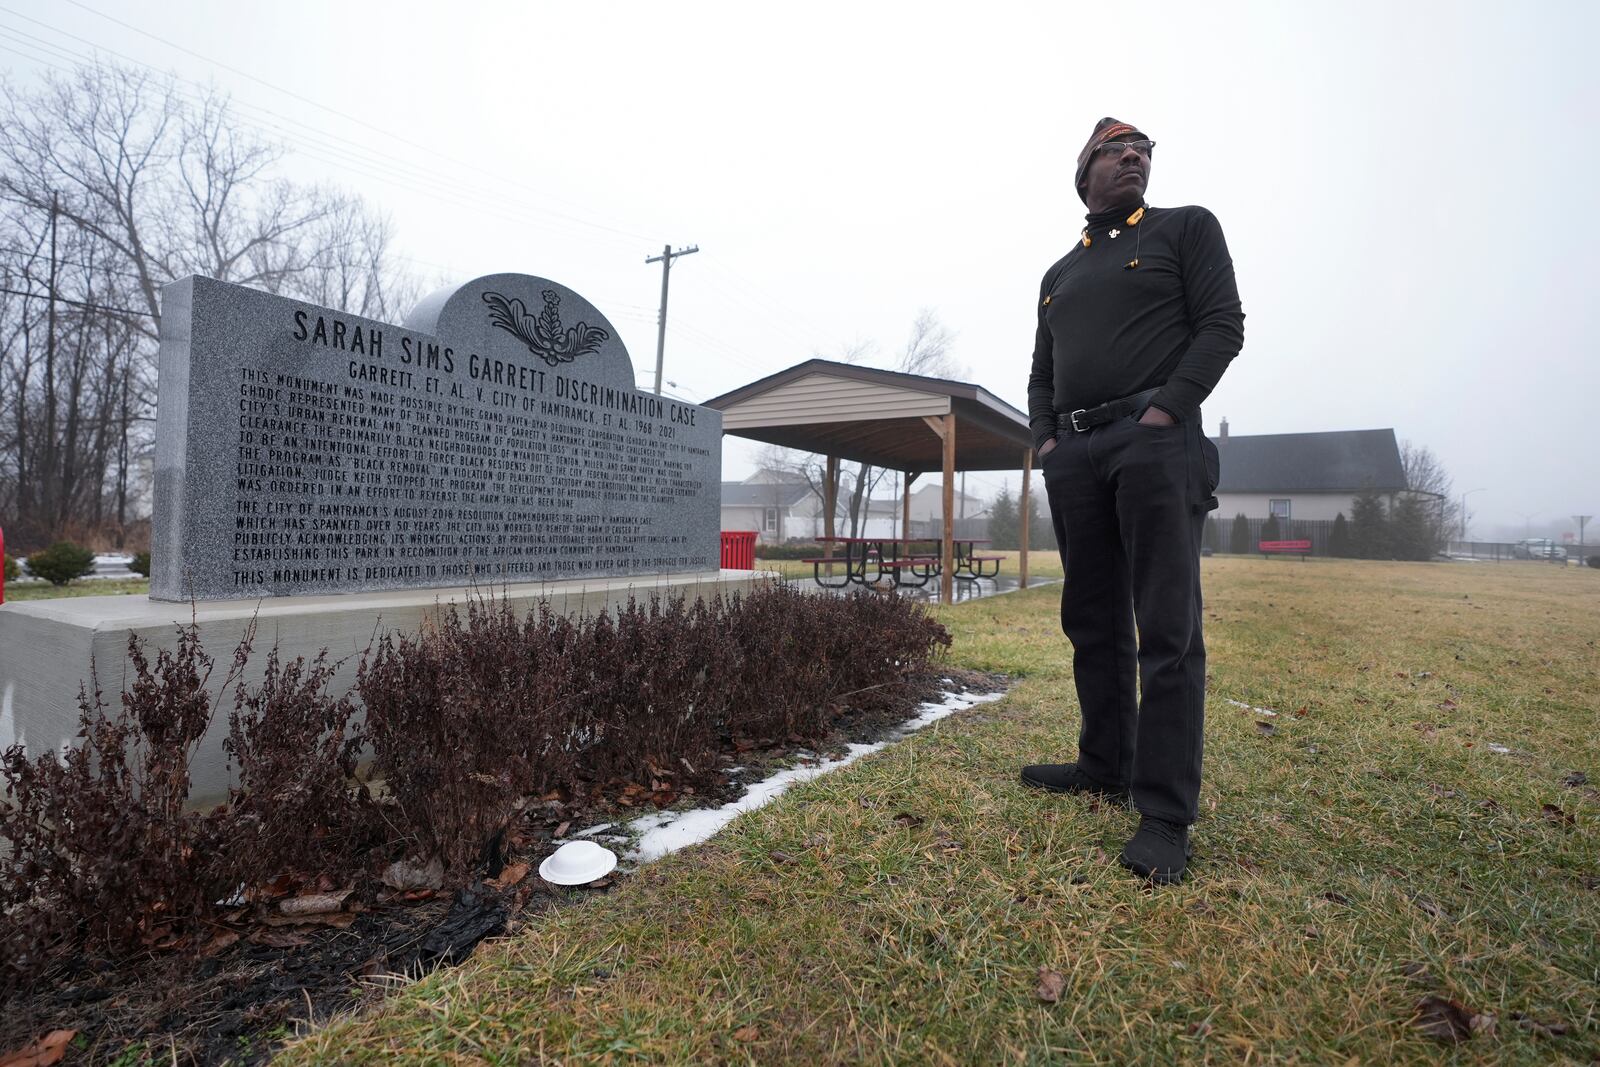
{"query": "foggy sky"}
pixel 1405 187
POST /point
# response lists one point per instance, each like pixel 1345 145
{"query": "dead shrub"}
pixel 465 720
pixel 642 690
pixel 98 845
pixel 298 807
pixel 479 711
pixel 454 717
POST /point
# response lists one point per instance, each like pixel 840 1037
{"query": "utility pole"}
pixel 665 259
pixel 50 474
pixel 1582 521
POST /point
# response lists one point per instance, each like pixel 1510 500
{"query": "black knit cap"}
pixel 1107 129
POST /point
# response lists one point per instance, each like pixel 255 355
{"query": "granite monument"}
pixel 496 437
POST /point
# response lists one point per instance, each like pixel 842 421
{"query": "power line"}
pixel 342 145
pixel 330 149
pixel 431 149
pixel 376 165
pixel 76 303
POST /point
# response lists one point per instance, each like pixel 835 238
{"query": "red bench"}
pixel 1285 548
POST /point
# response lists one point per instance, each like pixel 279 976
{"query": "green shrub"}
pixel 61 563
pixel 1239 538
pixel 1270 530
pixel 13 572
pixel 140 564
pixel 1339 539
pixel 1369 527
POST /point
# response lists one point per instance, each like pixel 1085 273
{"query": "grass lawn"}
pixel 1369 852
pixel 19 591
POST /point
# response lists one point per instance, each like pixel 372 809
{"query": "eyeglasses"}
pixel 1144 148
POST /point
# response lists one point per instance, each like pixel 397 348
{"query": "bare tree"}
pixel 114 182
pixel 927 350
pixel 1426 476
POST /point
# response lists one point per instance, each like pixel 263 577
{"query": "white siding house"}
pixel 1305 476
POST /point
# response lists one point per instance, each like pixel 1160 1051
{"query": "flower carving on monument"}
pixel 543 334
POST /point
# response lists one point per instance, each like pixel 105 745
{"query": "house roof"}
pixel 1339 461
pixel 876 416
pixel 763 494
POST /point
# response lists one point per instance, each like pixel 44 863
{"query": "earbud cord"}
pixel 1138 234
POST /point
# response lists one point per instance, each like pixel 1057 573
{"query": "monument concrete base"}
pixel 48 648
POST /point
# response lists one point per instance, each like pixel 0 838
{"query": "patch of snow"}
pixel 1252 707
pixel 1499 750
pixel 665 832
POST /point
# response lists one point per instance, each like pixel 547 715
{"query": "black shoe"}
pixel 1159 851
pixel 1067 778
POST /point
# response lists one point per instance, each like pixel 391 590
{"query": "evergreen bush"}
pixel 1339 538
pixel 140 564
pixel 1239 538
pixel 12 571
pixel 1410 535
pixel 61 563
pixel 1270 530
pixel 1369 527
pixel 1005 522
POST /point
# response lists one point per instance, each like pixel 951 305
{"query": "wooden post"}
pixel 830 497
pixel 947 560
pixel 905 529
pixel 1026 507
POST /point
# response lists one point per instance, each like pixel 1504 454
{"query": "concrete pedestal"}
pixel 49 647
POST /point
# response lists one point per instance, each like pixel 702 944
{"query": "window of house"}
pixel 1280 508
pixel 770 522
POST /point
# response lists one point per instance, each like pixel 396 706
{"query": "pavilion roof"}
pixel 876 416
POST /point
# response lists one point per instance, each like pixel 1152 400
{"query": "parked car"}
pixel 1538 548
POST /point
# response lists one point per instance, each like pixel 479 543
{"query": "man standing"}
pixel 1136 325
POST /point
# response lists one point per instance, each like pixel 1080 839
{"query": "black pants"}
pixel 1129 504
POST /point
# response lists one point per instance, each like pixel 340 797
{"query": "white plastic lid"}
pixel 578 863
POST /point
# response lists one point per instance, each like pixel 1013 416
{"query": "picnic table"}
pixel 873 560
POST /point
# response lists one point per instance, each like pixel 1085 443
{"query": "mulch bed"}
pixel 264 975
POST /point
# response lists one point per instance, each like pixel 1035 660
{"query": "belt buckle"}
pixel 1074 418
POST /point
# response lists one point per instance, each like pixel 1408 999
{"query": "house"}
pixel 1305 476
pixel 774 509
pixel 781 507
pixel 927 504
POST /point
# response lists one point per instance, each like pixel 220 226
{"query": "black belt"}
pixel 1087 418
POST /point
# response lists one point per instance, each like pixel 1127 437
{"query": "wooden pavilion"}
pixel 904 422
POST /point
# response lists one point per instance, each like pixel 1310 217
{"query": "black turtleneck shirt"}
pixel 1107 332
